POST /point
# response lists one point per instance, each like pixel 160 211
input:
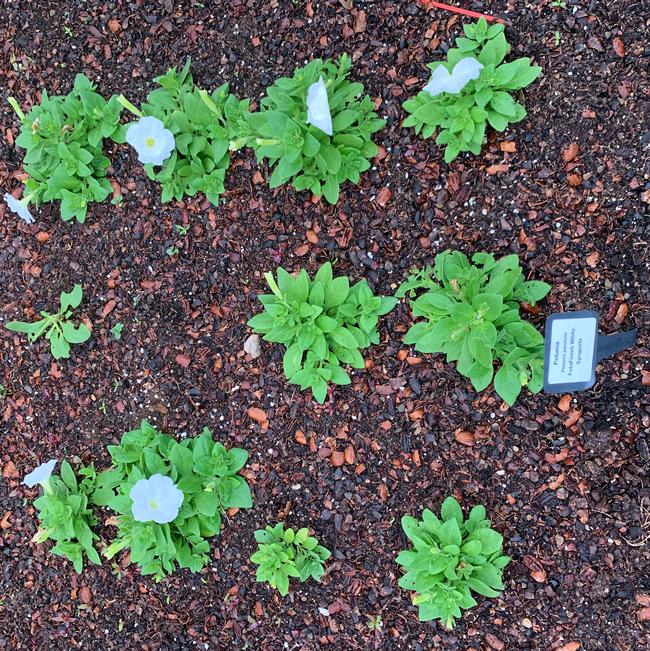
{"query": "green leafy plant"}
pixel 57 328
pixel 322 322
pixel 63 138
pixel 204 126
pixel 65 517
pixel 471 313
pixel 202 469
pixel 300 152
pixel 451 557
pixel 462 117
pixel 284 553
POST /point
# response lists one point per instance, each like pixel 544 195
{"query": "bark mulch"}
pixel 564 478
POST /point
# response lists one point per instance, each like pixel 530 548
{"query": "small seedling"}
pixel 375 623
pixel 102 407
pixel 116 330
pixel 558 38
pixel 558 3
pixel 284 553
pixel 171 251
pixel 182 229
pixel 57 328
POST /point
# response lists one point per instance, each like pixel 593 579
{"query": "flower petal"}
pixel 141 491
pixel 318 108
pixel 438 82
pixel 142 512
pixel 19 207
pixel 40 474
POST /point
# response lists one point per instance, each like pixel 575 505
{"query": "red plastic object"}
pixel 458 10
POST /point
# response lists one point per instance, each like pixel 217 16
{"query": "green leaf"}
pixel 450 509
pixel 75 335
pixel 71 299
pixel 59 347
pixel 181 458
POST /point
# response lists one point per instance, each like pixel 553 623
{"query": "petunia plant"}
pixel 187 133
pixel 470 90
pixel 322 322
pixel 64 512
pixel 451 557
pixel 470 312
pixel 63 137
pixel 285 553
pixel 169 497
pixel 58 329
pixel 315 129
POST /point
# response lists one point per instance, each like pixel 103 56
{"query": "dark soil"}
pixel 564 479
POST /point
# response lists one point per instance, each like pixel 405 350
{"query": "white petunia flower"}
pixel 40 475
pixel 318 107
pixel 151 140
pixel 443 82
pixel 19 207
pixel 156 498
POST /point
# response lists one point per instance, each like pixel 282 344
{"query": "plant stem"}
pixel 129 106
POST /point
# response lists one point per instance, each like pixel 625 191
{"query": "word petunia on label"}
pixel 156 498
pixel 442 81
pixel 40 475
pixel 153 142
pixel 19 207
pixel 318 108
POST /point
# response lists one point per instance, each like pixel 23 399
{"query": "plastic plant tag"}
pixel 573 347
pixel 444 82
pixel 318 107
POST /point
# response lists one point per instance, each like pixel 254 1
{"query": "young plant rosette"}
pixel 187 133
pixel 323 323
pixel 63 138
pixel 451 558
pixel 169 497
pixel 470 90
pixel 285 553
pixel 64 513
pixel 470 312
pixel 315 129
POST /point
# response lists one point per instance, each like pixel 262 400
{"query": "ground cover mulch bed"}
pixel 565 479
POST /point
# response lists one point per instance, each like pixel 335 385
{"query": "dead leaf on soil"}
pixel 466 438
pixel 570 152
pixel 571 646
pixel 497 169
pixel 337 458
pixel 565 403
pixel 383 196
pixel 593 258
pixel 619 47
pixel 573 418
pixel 621 313
pixel 9 471
pixel 256 414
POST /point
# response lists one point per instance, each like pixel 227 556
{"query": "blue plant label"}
pixel 570 351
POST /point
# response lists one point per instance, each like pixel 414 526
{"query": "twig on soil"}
pixel 645 526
